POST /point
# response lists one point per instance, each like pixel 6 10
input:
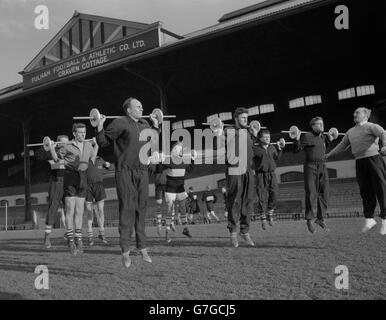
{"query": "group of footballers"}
pixel 246 181
pixel 76 183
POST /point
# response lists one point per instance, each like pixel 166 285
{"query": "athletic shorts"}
pixel 171 197
pixel 160 191
pixel 210 206
pixel 95 192
pixel 73 185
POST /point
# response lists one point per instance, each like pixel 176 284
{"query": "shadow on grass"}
pixel 11 296
pixel 30 268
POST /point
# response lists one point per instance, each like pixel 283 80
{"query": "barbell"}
pixel 95 116
pixel 47 142
pixel 281 143
pixel 157 157
pixel 294 132
pixel 217 124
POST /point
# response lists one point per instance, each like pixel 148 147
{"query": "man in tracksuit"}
pixel 315 172
pixel 131 174
pixel 370 167
pixel 210 198
pixel 265 156
pixel 239 174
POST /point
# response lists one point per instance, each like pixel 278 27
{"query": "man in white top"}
pixel 370 167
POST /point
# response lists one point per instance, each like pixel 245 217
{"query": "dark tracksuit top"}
pixel 210 198
pixel 315 173
pixel 264 161
pixel 241 186
pixel 131 176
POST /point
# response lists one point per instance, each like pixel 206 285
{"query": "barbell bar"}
pixel 294 132
pixel 95 116
pixel 47 141
pixel 217 124
pixel 281 142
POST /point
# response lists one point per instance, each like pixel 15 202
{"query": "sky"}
pixel 20 41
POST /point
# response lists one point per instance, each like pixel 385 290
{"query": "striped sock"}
pixel 70 235
pixel 184 218
pixel 78 234
pixel 48 229
pixel 90 234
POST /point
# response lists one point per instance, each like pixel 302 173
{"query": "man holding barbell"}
pixel 131 174
pixel 239 175
pixel 78 154
pixel 370 166
pixel 265 156
pixel 175 196
pixel 315 171
pixel 55 157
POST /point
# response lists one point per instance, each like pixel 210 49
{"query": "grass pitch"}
pixel 286 263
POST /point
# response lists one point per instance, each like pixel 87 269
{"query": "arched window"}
pixel 20 202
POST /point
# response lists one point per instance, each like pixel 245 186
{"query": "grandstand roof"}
pixel 262 12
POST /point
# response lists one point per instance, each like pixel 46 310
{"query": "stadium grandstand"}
pixel 284 60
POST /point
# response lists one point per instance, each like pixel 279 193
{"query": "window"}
pixel 177 125
pixel 253 111
pixel 346 94
pixel 20 202
pixel 266 108
pixel 212 117
pixel 225 116
pixel 189 123
pixel 311 100
pixel 365 90
pixel 31 153
pixel 4 203
pixel 296 103
pixel 34 200
pixel 112 32
pixel 85 35
pixel 8 157
pixel 75 39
